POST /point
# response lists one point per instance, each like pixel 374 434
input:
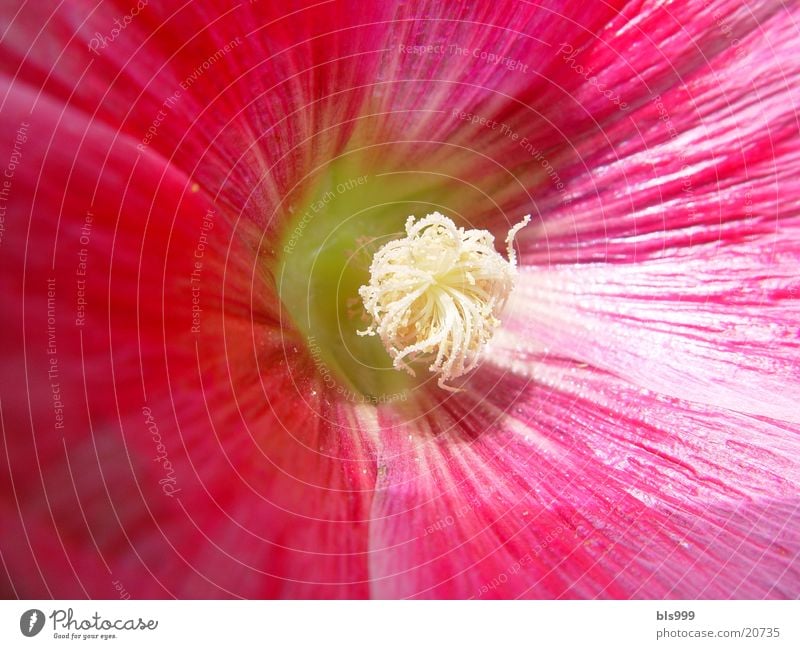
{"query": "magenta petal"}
pixel 172 461
pixel 233 96
pixel 634 432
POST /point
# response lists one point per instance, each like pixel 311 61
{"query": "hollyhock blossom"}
pixel 192 198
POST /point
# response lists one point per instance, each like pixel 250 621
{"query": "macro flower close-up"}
pixel 400 299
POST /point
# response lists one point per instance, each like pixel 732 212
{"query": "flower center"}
pixel 436 295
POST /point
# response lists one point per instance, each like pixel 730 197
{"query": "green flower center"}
pixel 326 250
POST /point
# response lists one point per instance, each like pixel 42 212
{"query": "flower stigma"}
pixel 436 295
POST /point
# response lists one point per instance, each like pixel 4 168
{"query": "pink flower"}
pixel 190 200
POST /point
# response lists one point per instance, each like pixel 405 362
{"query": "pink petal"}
pixel 676 265
pixel 580 485
pixel 715 325
pixel 709 158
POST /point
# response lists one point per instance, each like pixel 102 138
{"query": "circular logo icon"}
pixel 31 622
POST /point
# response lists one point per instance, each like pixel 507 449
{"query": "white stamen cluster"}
pixel 436 295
